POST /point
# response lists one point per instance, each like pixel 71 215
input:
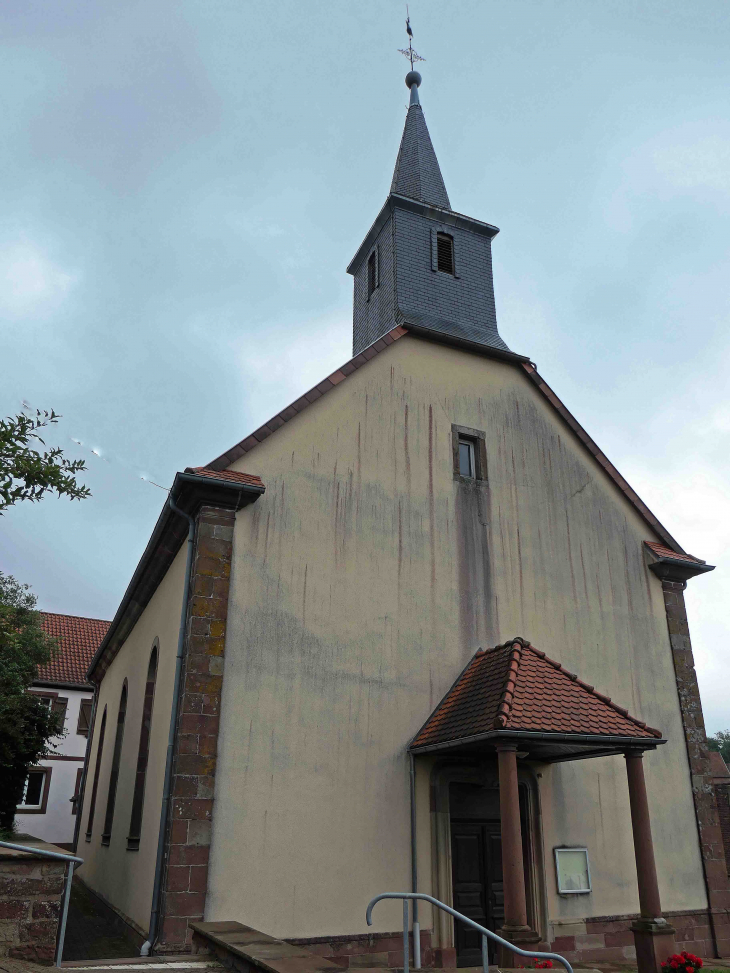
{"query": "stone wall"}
pixel 188 841
pixel 722 798
pixel 703 791
pixel 30 905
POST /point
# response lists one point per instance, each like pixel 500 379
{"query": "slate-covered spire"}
pixel 417 174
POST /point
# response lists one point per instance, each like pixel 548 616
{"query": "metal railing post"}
pixel 71 861
pixel 485 954
pixel 406 961
pixel 64 913
pixel 486 933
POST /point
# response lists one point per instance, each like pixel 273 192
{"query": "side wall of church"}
pixel 363 581
pixel 121 876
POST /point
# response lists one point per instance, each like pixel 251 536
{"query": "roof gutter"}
pixel 632 743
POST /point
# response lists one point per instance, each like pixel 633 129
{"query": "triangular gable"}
pixel 516 687
pixel 382 344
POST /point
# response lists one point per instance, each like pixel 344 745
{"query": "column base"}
pixel 522 936
pixel 654 944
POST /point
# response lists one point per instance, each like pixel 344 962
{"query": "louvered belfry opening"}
pixel 371 273
pixel 445 253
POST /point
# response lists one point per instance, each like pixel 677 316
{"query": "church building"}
pixel 414 633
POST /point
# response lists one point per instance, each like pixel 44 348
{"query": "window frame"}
pixel 145 738
pixel 116 765
pixel 477 439
pixel 79 730
pixel 97 769
pixel 373 262
pixel 42 807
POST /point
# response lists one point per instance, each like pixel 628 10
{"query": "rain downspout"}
pixel 156 888
pixel 414 867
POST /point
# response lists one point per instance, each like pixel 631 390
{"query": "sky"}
pixel 185 181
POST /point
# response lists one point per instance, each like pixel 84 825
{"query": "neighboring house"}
pixel 48 810
pixel 721 781
pixel 350 560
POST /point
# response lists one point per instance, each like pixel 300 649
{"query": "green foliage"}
pixel 26 724
pixel 26 473
pixel 720 743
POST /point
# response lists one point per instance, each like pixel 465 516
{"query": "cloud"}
pixel 30 283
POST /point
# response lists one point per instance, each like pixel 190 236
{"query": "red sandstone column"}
pixel 653 936
pixel 515 926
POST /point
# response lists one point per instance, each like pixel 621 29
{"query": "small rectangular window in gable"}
pixel 445 253
pixel 372 273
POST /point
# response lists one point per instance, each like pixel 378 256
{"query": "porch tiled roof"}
pixel 662 551
pixel 79 638
pixel 517 687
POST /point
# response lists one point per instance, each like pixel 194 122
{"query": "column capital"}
pixel 505 747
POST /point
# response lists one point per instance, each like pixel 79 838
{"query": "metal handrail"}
pixel 72 860
pixel 457 915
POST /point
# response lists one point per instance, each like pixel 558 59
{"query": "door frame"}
pixel 446 771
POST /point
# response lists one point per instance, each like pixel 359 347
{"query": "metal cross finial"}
pixel 409 52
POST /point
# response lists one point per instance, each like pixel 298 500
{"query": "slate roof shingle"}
pixel 517 687
pixel 79 638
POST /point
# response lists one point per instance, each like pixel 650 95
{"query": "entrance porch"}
pixel 512 709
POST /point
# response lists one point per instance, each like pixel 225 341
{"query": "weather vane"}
pixel 409 52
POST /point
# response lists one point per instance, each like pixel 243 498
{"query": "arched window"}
pixel 114 775
pixel 95 786
pixel 135 824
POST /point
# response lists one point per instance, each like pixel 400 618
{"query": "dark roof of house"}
pixel 418 333
pixel 516 687
pixel 78 638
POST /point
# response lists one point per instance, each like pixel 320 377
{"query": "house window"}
pixel 466 458
pixel 111 797
pixel 372 273
pixel 445 253
pixel 470 453
pixel 135 824
pixel 84 717
pixel 34 799
pixel 33 788
pixel 95 785
pixel 573 873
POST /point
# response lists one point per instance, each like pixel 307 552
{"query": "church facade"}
pixel 422 635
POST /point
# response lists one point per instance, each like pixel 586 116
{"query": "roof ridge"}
pixel 85 618
pixel 504 710
pixel 593 691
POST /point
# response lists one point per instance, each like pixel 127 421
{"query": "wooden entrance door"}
pixel 476 856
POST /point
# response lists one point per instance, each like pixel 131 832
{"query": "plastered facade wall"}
pixel 57 823
pixel 121 876
pixel 362 583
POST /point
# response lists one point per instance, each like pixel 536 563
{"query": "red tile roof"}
pixel 79 638
pixel 718 767
pixel 661 551
pixel 516 687
pixel 248 478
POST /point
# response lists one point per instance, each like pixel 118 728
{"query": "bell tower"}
pixel 422 264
